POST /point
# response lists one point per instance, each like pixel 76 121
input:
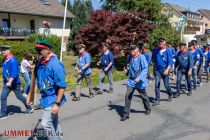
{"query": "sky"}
pixel 193 5
pixel 96 4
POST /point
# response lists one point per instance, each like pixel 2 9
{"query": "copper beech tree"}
pixel 121 29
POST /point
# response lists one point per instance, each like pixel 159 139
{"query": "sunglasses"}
pixel 39 50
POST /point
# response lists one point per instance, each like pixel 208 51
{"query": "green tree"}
pixel 156 13
pixel 82 11
pixel 63 2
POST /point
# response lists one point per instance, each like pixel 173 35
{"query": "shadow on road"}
pixel 12 109
pixel 120 109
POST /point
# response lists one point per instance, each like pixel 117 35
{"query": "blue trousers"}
pixel 6 91
pixel 158 77
pixel 194 75
pixel 179 80
pixel 51 125
pixel 27 78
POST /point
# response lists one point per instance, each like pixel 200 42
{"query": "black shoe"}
pixel 169 99
pixel 110 90
pixel 124 117
pixel 99 92
pixel 91 95
pixel 176 95
pixel 76 99
pixel 148 111
pixel 3 116
pixel 189 93
pixel 156 103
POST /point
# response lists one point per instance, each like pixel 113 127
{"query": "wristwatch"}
pixel 58 103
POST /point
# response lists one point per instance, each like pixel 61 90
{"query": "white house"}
pixel 18 18
pixel 193 24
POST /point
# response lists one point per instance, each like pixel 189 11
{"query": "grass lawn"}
pixel 71 77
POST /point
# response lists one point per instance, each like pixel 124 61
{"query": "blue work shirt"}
pixel 83 60
pixel 11 70
pixel 106 59
pixel 50 77
pixel 173 52
pixel 196 56
pixel 162 61
pixel 184 61
pixel 201 55
pixel 128 59
pixel 147 56
pixel 207 58
pixel 138 69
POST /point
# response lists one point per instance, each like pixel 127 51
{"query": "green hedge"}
pixel 27 46
pixel 19 48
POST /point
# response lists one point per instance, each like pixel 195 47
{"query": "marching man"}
pixel 137 81
pixel 11 80
pixel 50 74
pixel 84 71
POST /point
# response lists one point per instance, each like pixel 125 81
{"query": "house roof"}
pixel 205 12
pixel 48 8
pixel 177 8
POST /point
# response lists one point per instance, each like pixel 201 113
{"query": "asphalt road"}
pixel 185 118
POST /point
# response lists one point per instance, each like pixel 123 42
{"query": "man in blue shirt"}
pixel 201 62
pixel 196 61
pixel 163 61
pixel 137 81
pixel 207 61
pixel 173 52
pixel 145 52
pixel 184 65
pixel 50 75
pixel 107 65
pixel 84 71
pixel 11 81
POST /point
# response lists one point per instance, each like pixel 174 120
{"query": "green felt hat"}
pixel 43 43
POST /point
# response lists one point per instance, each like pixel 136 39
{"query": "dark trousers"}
pixel 6 91
pixel 129 95
pixel 158 77
pixel 179 80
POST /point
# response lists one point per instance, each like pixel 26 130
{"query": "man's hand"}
pixel 125 70
pixel 195 67
pixel 190 72
pixel 166 72
pixel 8 84
pixel 99 62
pixel 137 80
pixel 30 99
pixel 55 109
pixel 106 69
pixel 79 71
pixel 175 72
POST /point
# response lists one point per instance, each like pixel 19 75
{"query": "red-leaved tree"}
pixel 119 28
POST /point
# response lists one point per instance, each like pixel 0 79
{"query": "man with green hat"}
pixel 50 75
pixel 11 81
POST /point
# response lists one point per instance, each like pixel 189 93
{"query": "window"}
pixel 45 2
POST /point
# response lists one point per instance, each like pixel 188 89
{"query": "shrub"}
pixel 18 48
pixel 53 38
